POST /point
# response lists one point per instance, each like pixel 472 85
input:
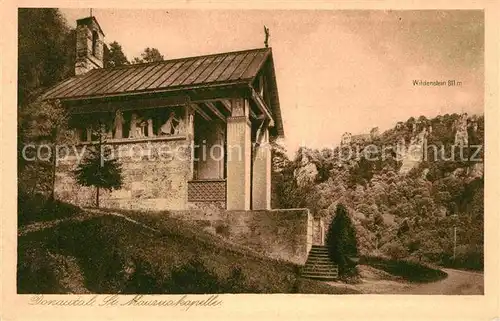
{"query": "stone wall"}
pixel 155 176
pixel 280 234
pixel 213 210
pixel 318 231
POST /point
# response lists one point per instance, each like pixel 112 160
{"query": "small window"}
pixel 95 37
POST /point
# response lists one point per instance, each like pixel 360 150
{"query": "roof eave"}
pixel 280 132
pixel 243 82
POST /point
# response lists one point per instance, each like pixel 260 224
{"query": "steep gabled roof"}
pixel 207 71
pixel 180 73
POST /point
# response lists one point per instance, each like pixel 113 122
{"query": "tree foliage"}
pixel 46 55
pixel 46 51
pixel 148 55
pixel 114 56
pixel 408 216
pixel 42 123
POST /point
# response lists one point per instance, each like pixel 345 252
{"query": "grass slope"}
pixel 110 254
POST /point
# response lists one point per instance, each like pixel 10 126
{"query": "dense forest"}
pixel 403 216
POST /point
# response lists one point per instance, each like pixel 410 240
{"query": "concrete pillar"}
pixel 261 179
pixel 238 156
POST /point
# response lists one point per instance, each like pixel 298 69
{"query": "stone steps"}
pixel 318 265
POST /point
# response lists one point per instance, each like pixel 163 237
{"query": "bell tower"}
pixel 89 45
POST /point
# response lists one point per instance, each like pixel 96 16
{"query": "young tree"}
pixel 341 241
pixel 98 169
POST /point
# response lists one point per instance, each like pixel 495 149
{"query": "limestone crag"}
pixel 413 155
pixel 461 135
pixel 307 172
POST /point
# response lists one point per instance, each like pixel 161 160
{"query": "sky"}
pixel 337 71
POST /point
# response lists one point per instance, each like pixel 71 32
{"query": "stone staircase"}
pixel 318 265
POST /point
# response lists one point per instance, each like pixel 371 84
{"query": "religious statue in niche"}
pixel 89 133
pixel 173 126
pixel 142 128
pixel 180 129
pixel 238 107
pixel 136 127
pixel 118 125
pixel 150 128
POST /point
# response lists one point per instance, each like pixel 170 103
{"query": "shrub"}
pixel 99 253
pixel 237 283
pixel 29 207
pixel 408 270
pixel 395 250
pixel 194 278
pixel 341 242
pixel 468 257
pixel 222 230
pixel 36 271
pixel 143 280
pixel 37 207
